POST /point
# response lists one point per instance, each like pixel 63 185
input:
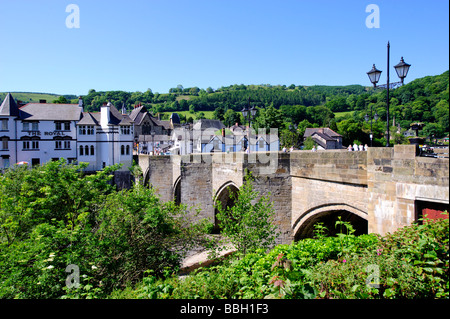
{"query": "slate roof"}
pixel 323 130
pixel 115 118
pixel 9 106
pixel 205 124
pixel 90 118
pixel 138 115
pixel 50 112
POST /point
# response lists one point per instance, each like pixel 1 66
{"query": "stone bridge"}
pixel 378 191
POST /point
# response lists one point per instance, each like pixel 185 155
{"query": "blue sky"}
pixel 134 45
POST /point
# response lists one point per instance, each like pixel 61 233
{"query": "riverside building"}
pixel 36 133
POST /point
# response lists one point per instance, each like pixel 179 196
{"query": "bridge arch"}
pixel 147 177
pixel 176 193
pixel 226 196
pixel 328 214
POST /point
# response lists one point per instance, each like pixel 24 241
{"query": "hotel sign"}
pixel 47 133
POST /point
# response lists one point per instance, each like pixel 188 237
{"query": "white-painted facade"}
pixel 37 133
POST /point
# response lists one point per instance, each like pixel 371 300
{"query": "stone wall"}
pixel 397 179
pixel 382 185
pixel 325 181
pixel 273 178
pixel 196 186
pixel 158 171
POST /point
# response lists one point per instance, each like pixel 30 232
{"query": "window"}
pixel 81 150
pixel 5 143
pixel 5 161
pixel 125 130
pixel 261 144
pixel 35 161
pixel 59 126
pixel 4 125
pixel 122 150
pixel 35 145
pixel 59 145
pixel 216 144
pixel 86 129
pixel 128 150
pixel 34 126
pixel 26 145
pixel 86 150
pixel 92 149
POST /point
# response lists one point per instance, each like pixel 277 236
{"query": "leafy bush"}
pixel 53 216
pixel 248 224
pixel 410 263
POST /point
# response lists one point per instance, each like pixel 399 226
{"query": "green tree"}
pixel 61 100
pixel 248 225
pixel 309 143
pixel 231 117
pixel 269 117
pixel 53 216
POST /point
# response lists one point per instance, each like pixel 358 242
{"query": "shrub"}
pixel 410 263
pixel 53 216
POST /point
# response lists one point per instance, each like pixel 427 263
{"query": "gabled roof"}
pixel 324 130
pixel 175 118
pixel 138 114
pixel 89 118
pixel 50 112
pixel 9 106
pixel 205 124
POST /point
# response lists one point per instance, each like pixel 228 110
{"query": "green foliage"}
pixel 248 225
pixel 54 215
pixel 309 143
pixel 410 263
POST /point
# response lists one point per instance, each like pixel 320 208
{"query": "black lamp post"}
pixel 153 141
pixel 366 118
pixel 402 69
pixel 249 114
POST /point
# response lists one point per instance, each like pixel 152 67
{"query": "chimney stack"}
pixel 105 114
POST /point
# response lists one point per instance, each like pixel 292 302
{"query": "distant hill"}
pixel 29 97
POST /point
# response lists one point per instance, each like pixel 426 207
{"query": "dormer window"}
pixel 126 129
pixel 86 130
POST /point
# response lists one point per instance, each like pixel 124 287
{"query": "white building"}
pixel 40 132
pixel 105 138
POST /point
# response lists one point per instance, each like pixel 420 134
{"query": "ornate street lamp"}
pixel 402 69
pixel 374 75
